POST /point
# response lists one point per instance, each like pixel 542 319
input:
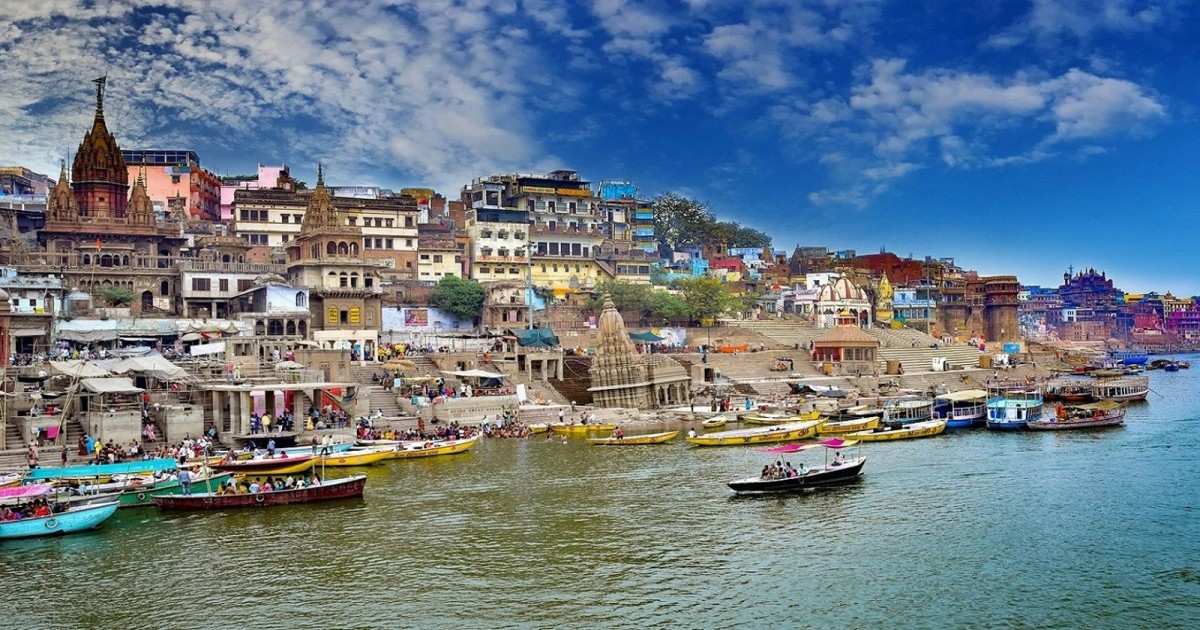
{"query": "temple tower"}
pixel 1000 308
pixel 618 374
pixel 100 179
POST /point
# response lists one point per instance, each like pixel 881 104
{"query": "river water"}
pixel 974 529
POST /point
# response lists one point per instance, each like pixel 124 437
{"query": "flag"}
pixel 99 244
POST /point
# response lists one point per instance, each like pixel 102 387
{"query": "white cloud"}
pixel 1050 21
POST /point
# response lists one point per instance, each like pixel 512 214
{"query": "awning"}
pixel 646 336
pixel 474 373
pixel 966 394
pixel 207 348
pixel 78 369
pixel 87 336
pixel 154 365
pixel 534 337
pixel 27 332
pixel 110 385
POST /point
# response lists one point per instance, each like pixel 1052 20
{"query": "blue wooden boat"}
pixel 961 409
pixel 100 470
pixel 1128 357
pixel 75 519
pixel 1012 409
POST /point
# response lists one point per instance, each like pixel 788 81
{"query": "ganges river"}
pixel 969 530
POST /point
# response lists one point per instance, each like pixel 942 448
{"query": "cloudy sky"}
pixel 1016 136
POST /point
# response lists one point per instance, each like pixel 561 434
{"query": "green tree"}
pixel 666 305
pixel 681 221
pixel 627 296
pixel 116 296
pixel 706 297
pixel 744 236
pixel 461 298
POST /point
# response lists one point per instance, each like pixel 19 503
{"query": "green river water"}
pixel 967 530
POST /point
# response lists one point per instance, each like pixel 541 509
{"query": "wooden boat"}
pixel 364 457
pixel 758 435
pixel 327 491
pixel 1013 408
pixel 840 427
pixel 961 409
pixel 1105 413
pixel 856 412
pixel 838 472
pixel 715 422
pixel 908 410
pixel 581 429
pixel 269 466
pixel 76 518
pixel 1121 389
pixel 894 431
pixel 540 427
pixel 142 497
pixel 411 450
pixel 776 419
pixel 101 471
pixel 636 440
pixel 9 480
pixel 1069 389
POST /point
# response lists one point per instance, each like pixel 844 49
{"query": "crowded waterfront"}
pixel 652 535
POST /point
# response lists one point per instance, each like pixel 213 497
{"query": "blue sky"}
pixel 1017 137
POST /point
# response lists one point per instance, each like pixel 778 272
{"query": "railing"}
pixel 185 264
pixel 501 259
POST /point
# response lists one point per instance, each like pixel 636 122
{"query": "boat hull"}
pixel 143 497
pixel 714 423
pixel 101 470
pixel 824 476
pixel 913 431
pixel 840 427
pixel 285 466
pixel 1067 425
pixel 347 459
pixel 435 449
pixel 636 440
pixel 328 491
pixel 76 519
pixel 774 420
pixel 582 429
pixel 765 435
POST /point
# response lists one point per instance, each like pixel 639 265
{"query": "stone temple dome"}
pixel 841 290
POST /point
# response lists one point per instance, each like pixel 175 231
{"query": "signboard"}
pixel 331 315
pixel 537 189
pixel 1012 348
pixel 416 317
pixel 207 348
pixel 574 192
pixel 355 315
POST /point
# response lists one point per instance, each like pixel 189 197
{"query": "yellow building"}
pixel 884 294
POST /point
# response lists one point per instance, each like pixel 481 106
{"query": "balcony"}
pixel 501 259
pixel 565 230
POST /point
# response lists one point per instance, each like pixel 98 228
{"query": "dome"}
pixel 3 295
pixel 841 290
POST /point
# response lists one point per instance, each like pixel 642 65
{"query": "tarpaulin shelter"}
pixel 534 337
pixel 646 337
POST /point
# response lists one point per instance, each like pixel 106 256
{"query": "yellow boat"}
pixel 758 435
pixel 410 450
pixel 273 466
pixel 364 457
pixel 9 481
pixel 541 427
pixel 581 429
pixel 848 426
pixel 714 423
pixel 772 419
pixel 635 440
pixel 928 428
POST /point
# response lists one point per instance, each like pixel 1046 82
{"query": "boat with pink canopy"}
pixel 780 477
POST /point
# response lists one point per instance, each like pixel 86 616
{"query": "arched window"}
pixel 303 328
pixel 301 299
pixel 164 289
pixel 274 327
pixel 343 249
pixel 330 248
pixel 315 251
pixel 353 249
pixel 291 328
pixel 87 260
pixel 343 280
pixel 354 280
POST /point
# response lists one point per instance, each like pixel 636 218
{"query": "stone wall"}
pixel 472 409
pixel 118 426
pixel 180 421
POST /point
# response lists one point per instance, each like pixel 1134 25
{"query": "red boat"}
pixel 326 491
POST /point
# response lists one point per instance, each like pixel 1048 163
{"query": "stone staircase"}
pixel 383 400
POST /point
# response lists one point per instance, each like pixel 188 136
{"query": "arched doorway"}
pixel 147 300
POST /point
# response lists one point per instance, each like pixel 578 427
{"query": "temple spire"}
pixel 100 81
pixel 320 174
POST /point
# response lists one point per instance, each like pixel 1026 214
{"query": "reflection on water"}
pixel 969 529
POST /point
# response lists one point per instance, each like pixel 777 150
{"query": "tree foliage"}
pixel 706 297
pixel 116 296
pixel 461 298
pixel 684 222
pixel 640 301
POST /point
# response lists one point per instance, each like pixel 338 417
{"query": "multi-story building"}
pixel 216 273
pixel 439 253
pixel 268 177
pixel 498 232
pixel 565 230
pixel 271 218
pixel 100 234
pixel 174 178
pixel 326 256
pixel 34 301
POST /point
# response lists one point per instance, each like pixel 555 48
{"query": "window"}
pixel 378 243
pixel 391 223
pixel 287 237
pixel 458 259
pixel 487 270
pixel 283 218
pixel 343 280
pixel 297 218
pixel 408 242
pixel 366 243
pixel 437 258
pixel 550 206
pixel 201 284
pixel 520 236
pixel 571 206
pixel 301 299
pixel 245 285
pixel 408 221
pixel 426 257
pixel 223 284
pixel 352 220
pixel 514 271
pixel 408 264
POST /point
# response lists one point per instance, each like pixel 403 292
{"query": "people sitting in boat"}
pixel 316 481
pixel 837 459
pixel 803 470
pixel 267 487
pixel 255 488
pixel 766 472
pixel 619 434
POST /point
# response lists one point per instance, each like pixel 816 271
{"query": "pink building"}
pixel 268 177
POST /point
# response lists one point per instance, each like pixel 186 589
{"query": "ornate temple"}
pixel 622 378
pixel 345 289
pixel 841 296
pixel 100 234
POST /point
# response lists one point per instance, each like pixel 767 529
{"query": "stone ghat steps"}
pixel 730 334
pixel 921 359
pixel 537 414
pixel 383 400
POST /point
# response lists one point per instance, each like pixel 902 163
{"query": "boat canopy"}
pixel 1103 405
pixel 31 490
pixel 473 373
pixel 966 394
pixel 782 448
pixel 834 443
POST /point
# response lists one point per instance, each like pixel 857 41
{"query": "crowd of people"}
pixel 271 484
pixel 37 508
pixel 782 470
